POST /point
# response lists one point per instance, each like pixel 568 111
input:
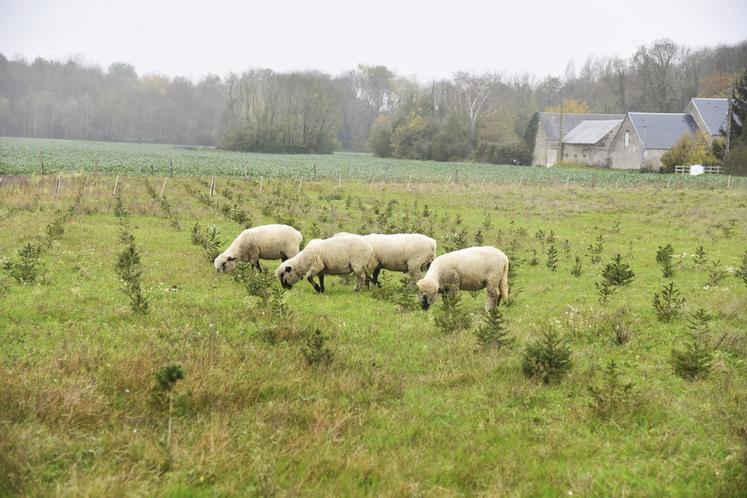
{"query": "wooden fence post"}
pixel 164 186
pixel 116 182
pixel 339 181
pixel 408 182
pixel 261 182
pixel 59 183
pixel 300 182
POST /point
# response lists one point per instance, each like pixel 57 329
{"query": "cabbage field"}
pixel 25 156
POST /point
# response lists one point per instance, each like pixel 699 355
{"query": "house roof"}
pixel 550 121
pixel 661 130
pixel 589 132
pixel 714 113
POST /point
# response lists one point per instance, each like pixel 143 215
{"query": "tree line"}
pixel 488 117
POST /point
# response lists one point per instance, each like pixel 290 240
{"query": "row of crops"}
pixel 25 156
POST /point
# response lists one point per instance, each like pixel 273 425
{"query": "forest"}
pixel 481 117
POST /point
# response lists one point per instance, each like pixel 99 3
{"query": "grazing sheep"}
pixel 263 242
pixel 334 256
pixel 403 252
pixel 470 269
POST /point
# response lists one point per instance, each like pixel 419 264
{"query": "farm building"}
pixel 645 136
pixel 589 142
pixel 623 141
pixel 549 132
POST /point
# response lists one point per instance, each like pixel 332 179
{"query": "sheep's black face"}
pixel 224 263
pixel 425 300
pixel 287 277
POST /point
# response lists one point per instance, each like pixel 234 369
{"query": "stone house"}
pixel 644 137
pixel 635 140
pixel 549 132
pixel 589 142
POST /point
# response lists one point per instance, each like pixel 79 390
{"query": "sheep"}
pixel 403 252
pixel 470 269
pixel 333 256
pixel 262 242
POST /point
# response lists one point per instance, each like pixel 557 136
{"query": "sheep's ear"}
pixel 230 258
pixel 287 269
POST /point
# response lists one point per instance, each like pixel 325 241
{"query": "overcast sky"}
pixel 423 38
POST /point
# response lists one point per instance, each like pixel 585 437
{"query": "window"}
pixel 627 138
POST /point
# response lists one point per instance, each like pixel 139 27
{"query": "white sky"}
pixel 423 38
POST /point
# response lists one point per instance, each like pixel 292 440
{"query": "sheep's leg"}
pixel 494 299
pixel 314 285
pixel 283 258
pixel 321 282
pixel 375 276
pixel 257 265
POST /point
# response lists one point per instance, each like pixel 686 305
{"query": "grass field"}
pixel 403 408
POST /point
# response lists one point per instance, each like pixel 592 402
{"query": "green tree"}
pixel 380 136
pixel 411 138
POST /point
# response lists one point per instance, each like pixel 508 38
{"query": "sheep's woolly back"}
pixel 269 241
pixel 473 268
pixel 333 256
pixel 401 251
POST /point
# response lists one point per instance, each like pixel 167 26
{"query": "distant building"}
pixel 636 140
pixel 645 136
pixel 548 133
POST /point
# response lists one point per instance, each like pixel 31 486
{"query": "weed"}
pixel 166 379
pixel 577 269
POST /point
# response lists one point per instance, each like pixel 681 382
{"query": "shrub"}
pixel 664 258
pixel 380 136
pixel 667 304
pixel 548 359
pixel 534 260
pixel 552 258
pixel 129 271
pixel 315 351
pixel 716 274
pixel 595 250
pixel 694 361
pixel 612 395
pixel 742 270
pixel 262 284
pixel 618 273
pixel 604 291
pixel 700 257
pixel 28 267
pixel 492 331
pixel 450 316
pixel 166 379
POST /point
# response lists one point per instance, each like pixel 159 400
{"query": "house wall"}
pixel 539 157
pixel 622 157
pixel 652 158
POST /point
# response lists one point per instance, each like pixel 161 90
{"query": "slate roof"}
pixel 714 113
pixel 661 130
pixel 589 132
pixel 550 121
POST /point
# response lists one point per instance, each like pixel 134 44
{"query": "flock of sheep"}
pixel 364 256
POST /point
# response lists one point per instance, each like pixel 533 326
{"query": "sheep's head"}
pixel 287 275
pixel 224 263
pixel 427 292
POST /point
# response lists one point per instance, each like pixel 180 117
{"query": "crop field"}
pixel 26 156
pixel 198 383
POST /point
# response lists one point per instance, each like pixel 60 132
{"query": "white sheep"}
pixel 403 252
pixel 333 256
pixel 263 242
pixel 472 269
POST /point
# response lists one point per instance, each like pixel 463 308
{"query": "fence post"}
pixel 171 171
pixel 116 182
pixel 373 177
pixel 59 183
pixel 521 180
pixel 339 181
pixel 408 182
pixel 164 185
pixel 482 183
pixel 261 181
pixel 300 182
pixel 314 171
